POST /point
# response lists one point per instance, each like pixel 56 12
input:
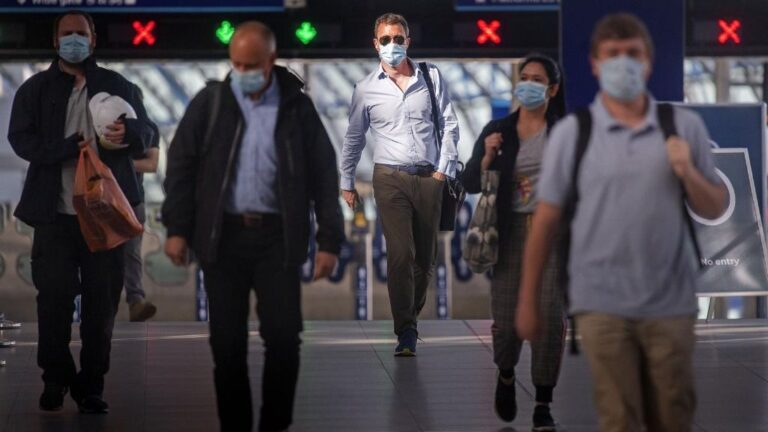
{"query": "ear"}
pixel 553 89
pixel 648 70
pixel 407 42
pixel 376 44
pixel 595 66
pixel 93 41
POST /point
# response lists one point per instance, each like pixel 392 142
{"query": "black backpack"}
pixel 666 118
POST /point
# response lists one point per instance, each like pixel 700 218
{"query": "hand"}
pixel 438 176
pixel 176 249
pixel 116 134
pixel 350 197
pixel 679 155
pixel 493 144
pixel 85 142
pixel 492 149
pixel 527 321
pixel 325 262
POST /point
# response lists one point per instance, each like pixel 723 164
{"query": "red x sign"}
pixel 729 32
pixel 144 33
pixel 488 32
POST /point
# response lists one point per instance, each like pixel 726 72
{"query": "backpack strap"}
pixel 666 118
pixel 424 68
pixel 584 119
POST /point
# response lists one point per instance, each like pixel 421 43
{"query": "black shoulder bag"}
pixel 453 192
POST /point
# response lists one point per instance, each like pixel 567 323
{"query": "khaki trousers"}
pixel 642 371
pixel 409 206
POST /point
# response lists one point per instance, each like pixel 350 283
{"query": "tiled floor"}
pixel 161 380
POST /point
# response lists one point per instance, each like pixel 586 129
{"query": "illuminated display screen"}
pixel 126 6
pixel 507 5
pixel 727 28
pixel 342 28
pixel 121 36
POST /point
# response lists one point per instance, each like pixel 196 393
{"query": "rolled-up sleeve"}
pixel 449 124
pixel 354 140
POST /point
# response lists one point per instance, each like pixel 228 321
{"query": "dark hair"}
pixel 391 19
pixel 620 26
pixel 88 17
pixel 556 105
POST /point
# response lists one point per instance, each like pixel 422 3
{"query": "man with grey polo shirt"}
pixel 394 103
pixel 632 270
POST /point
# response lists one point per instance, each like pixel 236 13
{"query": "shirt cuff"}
pixel 447 166
pixel 347 183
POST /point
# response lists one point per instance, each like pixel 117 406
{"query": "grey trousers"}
pixel 134 290
pixel 547 350
pixel 409 207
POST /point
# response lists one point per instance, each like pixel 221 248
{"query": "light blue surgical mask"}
pixel 531 94
pixel 392 54
pixel 74 48
pixel 249 81
pixel 622 78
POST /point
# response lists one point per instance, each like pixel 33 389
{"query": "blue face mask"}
pixel 622 78
pixel 392 54
pixel 531 94
pixel 74 48
pixel 250 81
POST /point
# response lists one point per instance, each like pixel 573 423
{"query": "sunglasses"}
pixel 385 40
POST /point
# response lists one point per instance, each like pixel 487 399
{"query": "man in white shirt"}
pixel 410 166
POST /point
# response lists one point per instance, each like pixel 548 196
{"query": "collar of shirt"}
pixel 271 96
pixel 605 120
pixel 383 74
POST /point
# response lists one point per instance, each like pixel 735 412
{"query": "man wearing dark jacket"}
pixel 249 161
pixel 50 121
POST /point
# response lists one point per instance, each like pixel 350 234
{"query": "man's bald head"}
pixel 253 35
pixel 252 49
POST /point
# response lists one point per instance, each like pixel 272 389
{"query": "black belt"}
pixel 252 220
pixel 419 170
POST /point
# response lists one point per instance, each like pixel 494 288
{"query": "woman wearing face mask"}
pixel 514 145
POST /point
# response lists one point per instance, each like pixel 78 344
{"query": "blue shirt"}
pixel 254 187
pixel 400 123
pixel 630 247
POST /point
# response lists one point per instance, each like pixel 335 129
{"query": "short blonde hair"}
pixel 391 19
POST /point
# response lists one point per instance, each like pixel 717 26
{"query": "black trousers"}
pixel 252 258
pixel 62 268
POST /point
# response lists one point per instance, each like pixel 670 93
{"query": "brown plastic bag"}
pixel 106 218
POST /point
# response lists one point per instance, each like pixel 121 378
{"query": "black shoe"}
pixel 506 404
pixel 406 344
pixel 92 404
pixel 542 419
pixel 52 398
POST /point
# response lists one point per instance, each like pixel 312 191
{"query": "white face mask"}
pixel 249 81
pixel 622 77
pixel 392 53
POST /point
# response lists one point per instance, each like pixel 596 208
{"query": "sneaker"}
pixel 506 403
pixel 52 398
pixel 406 344
pixel 92 404
pixel 141 311
pixel 8 324
pixel 542 419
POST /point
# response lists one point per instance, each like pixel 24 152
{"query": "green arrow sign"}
pixel 306 32
pixel 224 32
